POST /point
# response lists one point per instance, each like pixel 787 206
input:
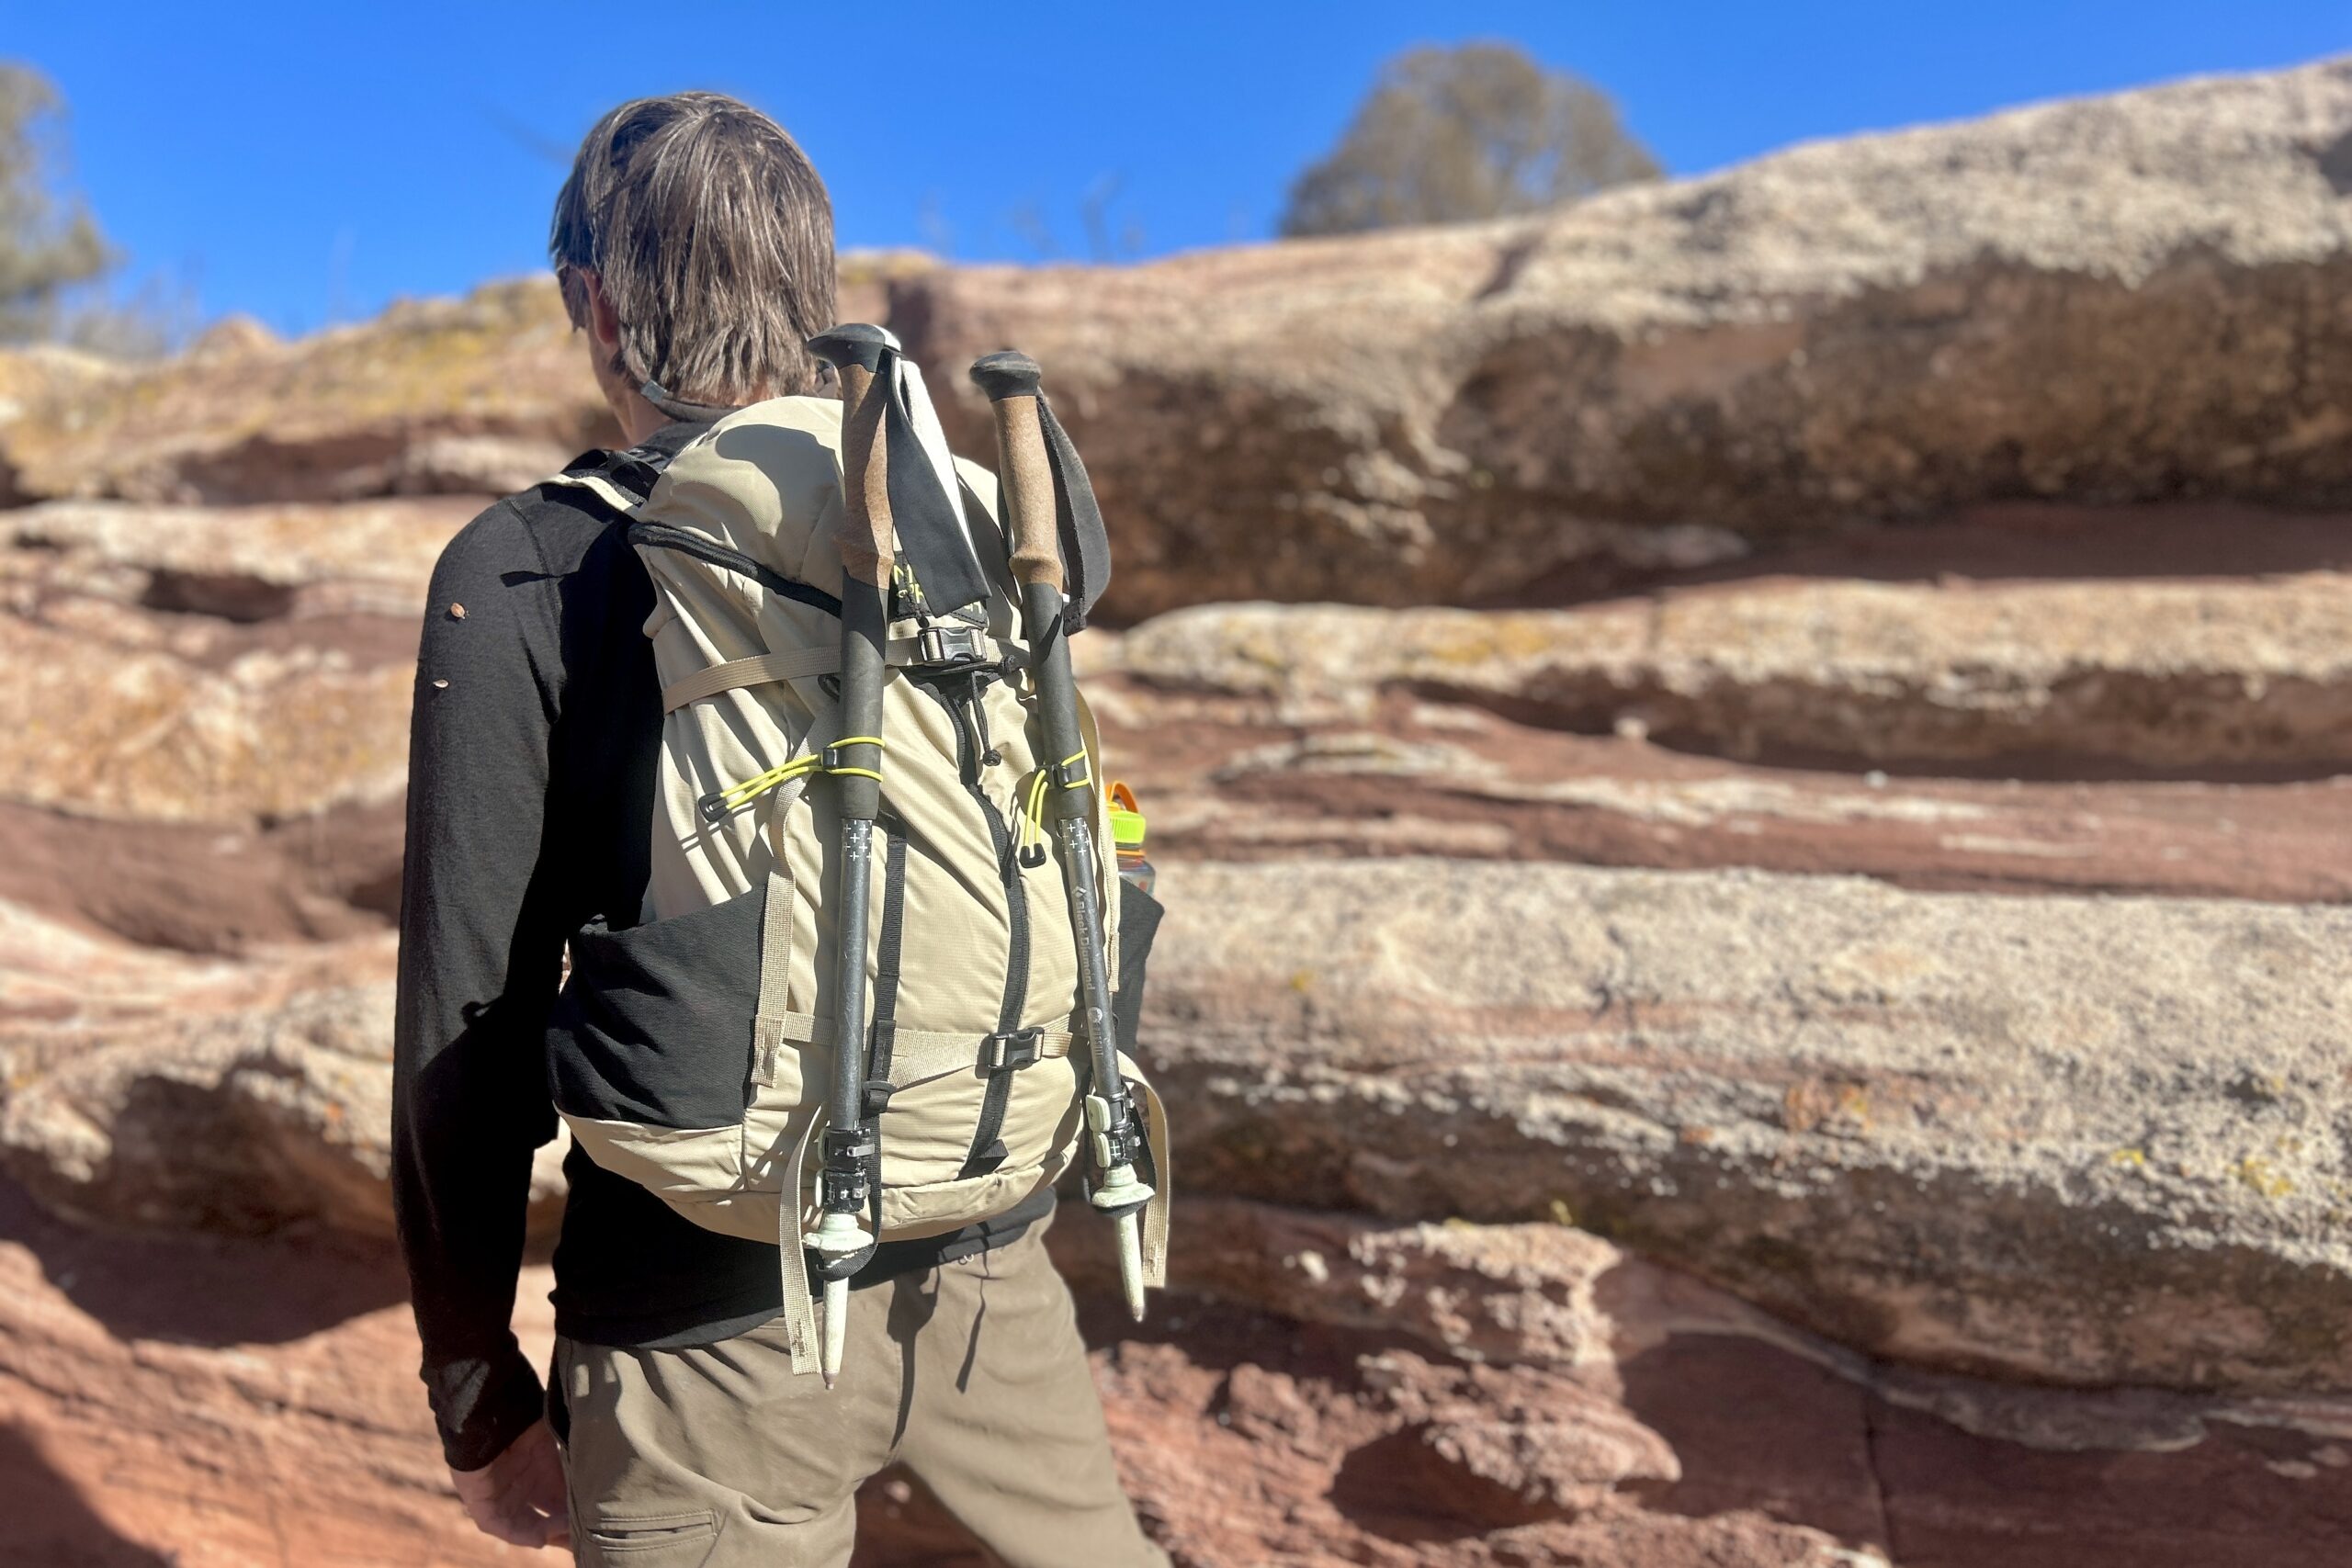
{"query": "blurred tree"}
pixel 47 244
pixel 1450 135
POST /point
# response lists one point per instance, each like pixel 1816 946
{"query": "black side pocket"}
pixel 1140 915
pixel 654 1025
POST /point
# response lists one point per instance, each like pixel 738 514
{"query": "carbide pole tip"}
pixel 836 1330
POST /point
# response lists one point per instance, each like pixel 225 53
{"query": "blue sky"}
pixel 307 163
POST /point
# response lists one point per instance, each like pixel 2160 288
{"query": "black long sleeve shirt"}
pixel 533 746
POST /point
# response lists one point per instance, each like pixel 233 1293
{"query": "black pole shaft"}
pixel 1073 810
pixel 864 628
pixel 853 764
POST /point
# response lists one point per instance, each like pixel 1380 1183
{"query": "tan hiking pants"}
pixel 973 1375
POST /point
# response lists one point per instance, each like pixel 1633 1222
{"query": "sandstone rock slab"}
pixel 160 1091
pixel 479 395
pixel 104 716
pixel 2160 675
pixel 239 563
pixel 2112 300
pixel 2068 1140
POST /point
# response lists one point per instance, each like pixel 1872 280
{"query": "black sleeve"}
pixel 483 929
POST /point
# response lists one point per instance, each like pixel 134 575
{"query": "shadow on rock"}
pixel 1759 1429
pixel 208 1290
pixel 1399 1488
pixel 48 1522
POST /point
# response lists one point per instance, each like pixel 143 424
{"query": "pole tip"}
pixel 829 1362
pixel 1131 1264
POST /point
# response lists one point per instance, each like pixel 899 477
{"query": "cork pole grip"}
pixel 1026 472
pixel 1028 477
pixel 869 539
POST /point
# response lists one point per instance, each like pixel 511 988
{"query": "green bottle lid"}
pixel 1126 822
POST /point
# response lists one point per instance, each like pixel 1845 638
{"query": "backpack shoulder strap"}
pixel 623 480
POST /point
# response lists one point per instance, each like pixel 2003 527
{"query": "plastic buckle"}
pixel 834 761
pixel 1073 773
pixel 1020 1048
pixel 949 648
pixel 874 1096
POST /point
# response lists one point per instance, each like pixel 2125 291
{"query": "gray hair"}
pixel 714 240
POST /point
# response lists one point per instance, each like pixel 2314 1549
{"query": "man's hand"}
pixel 519 1496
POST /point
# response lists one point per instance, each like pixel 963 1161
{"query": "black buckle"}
pixel 846 1145
pixel 874 1096
pixel 952 648
pixel 834 761
pixel 1079 770
pixel 1020 1048
pixel 843 1189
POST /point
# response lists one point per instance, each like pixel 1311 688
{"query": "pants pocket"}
pixel 671 1538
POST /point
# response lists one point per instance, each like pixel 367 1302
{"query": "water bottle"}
pixel 1126 833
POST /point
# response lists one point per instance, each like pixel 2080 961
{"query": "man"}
pixel 694 242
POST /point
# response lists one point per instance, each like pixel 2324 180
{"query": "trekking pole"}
pixel 853 761
pixel 1010 382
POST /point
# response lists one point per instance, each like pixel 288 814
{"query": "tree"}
pixel 47 244
pixel 1450 135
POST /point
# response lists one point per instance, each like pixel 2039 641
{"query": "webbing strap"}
pixel 887 951
pixel 799 1305
pixel 776 926
pixel 915 1054
pixel 886 994
pixel 988 1152
pixel 769 1026
pixel 1155 1213
pixel 598 486
pixel 901 652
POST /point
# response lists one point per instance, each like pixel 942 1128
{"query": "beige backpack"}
pixel 691 1052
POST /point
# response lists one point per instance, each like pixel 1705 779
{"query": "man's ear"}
pixel 603 322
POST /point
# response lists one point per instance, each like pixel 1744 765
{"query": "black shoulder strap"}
pixel 628 472
pixel 633 470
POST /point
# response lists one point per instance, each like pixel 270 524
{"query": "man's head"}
pixel 694 244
